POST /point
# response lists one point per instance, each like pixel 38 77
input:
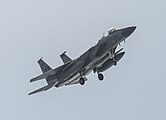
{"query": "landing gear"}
pixel 112 55
pixel 115 63
pixel 100 76
pixel 82 81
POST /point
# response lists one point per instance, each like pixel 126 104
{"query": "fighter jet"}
pixel 98 59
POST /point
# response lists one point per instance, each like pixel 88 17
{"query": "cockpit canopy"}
pixel 109 31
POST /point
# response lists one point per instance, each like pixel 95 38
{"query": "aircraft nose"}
pixel 128 31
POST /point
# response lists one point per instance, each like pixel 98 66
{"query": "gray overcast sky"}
pixel 133 90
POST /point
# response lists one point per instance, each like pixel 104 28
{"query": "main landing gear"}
pixel 115 62
pixel 100 76
pixel 82 81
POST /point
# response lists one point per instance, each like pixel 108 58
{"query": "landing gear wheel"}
pixel 115 63
pixel 100 77
pixel 82 81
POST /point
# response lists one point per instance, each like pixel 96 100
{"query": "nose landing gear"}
pixel 100 76
pixel 112 55
pixel 115 62
pixel 82 81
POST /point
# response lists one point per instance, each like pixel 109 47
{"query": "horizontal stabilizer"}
pixel 48 73
pixel 42 76
pixel 43 88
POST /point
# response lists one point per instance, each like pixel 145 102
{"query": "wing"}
pixel 43 88
pixel 50 72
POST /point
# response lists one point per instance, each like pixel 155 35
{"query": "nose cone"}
pixel 128 31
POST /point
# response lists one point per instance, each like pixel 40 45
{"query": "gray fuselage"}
pixel 94 57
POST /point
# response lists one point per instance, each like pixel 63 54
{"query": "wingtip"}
pixel 31 93
pixel 31 80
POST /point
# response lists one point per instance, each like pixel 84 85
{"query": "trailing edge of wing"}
pixel 43 88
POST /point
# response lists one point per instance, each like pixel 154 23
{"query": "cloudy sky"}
pixel 133 90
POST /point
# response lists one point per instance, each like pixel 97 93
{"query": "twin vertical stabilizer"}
pixel 44 67
pixel 65 58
